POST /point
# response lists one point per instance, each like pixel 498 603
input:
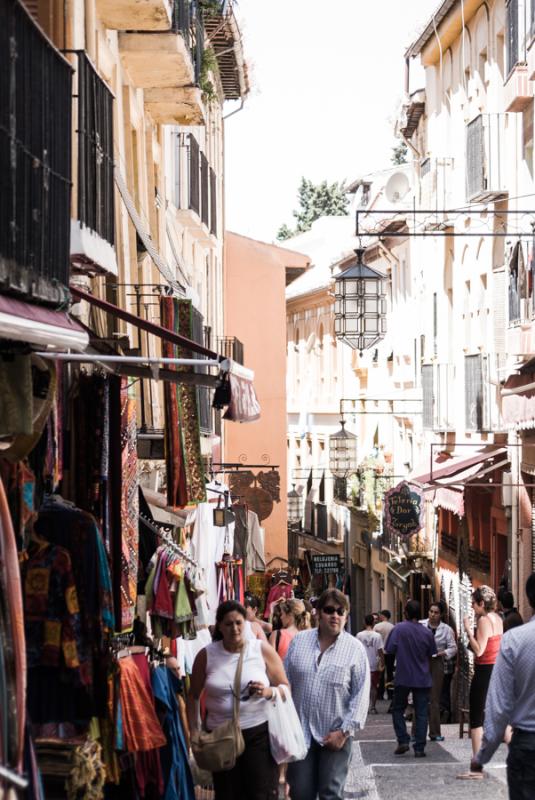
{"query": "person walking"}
pixel 511 615
pixel 255 775
pixel 373 642
pixel 446 651
pixel 485 645
pixel 294 618
pixel 330 680
pixel 511 701
pixel 384 627
pixel 413 645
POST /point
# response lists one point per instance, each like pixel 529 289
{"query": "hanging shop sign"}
pixel 326 564
pixel 404 508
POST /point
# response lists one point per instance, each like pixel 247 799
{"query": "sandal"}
pixel 470 776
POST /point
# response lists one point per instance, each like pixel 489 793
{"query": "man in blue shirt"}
pixel 413 646
pixel 330 678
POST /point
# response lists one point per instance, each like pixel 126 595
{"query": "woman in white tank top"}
pixel 255 775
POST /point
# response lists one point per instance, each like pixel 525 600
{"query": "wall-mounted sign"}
pixel 404 508
pixel 326 564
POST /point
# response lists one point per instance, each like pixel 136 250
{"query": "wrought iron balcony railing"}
pixel 95 152
pixel 188 21
pixel 35 159
pixel 230 347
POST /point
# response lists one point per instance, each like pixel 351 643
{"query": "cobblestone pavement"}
pixel 377 774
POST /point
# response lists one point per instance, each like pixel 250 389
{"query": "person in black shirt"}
pixel 511 616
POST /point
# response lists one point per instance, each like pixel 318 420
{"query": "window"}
pixel 512 35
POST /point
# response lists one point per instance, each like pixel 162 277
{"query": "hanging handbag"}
pixel 218 750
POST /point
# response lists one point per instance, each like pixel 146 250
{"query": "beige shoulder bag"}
pixel 218 750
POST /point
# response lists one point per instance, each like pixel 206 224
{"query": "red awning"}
pixel 455 468
pixel 28 322
pixel 143 324
pixel 518 401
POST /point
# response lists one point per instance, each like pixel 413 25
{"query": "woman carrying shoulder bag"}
pixel 230 696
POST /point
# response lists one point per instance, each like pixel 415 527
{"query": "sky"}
pixel 327 79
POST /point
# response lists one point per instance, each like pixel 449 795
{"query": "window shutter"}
pixel 428 397
pixel 499 305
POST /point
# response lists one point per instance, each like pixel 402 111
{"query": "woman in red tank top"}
pixel 485 645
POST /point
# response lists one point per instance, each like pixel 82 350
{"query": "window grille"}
pixel 512 35
pixel 428 395
pixel 35 159
pixel 213 202
pixel 96 207
pixel 205 199
pixel 194 174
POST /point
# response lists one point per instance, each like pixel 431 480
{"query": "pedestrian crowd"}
pixel 273 706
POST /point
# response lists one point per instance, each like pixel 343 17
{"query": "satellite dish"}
pixel 397 187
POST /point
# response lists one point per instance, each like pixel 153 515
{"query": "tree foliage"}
pixel 399 154
pixel 315 200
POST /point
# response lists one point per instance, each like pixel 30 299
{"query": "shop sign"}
pixel 325 564
pixel 404 508
pixel 243 405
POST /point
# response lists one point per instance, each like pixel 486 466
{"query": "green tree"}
pixel 315 200
pixel 399 154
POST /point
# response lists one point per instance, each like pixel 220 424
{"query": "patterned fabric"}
pixel 140 724
pixel 510 699
pixel 52 614
pixel 129 509
pixel 177 490
pixel 444 639
pixel 332 692
pixel 189 413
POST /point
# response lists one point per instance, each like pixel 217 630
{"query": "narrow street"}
pixel 375 769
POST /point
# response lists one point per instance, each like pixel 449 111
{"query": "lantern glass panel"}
pixel 352 324
pixel 372 305
pixel 352 305
pixel 372 286
pixel 350 287
pixel 371 325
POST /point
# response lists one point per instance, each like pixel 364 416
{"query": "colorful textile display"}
pixel 142 730
pixel 185 471
pixel 129 509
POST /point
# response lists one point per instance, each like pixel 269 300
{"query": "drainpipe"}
pixel 515 532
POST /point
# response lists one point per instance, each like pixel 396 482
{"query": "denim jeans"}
pixel 420 699
pixel 521 766
pixel 322 774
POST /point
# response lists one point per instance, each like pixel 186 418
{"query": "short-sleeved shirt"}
pixel 413 645
pixel 384 628
pixel 373 642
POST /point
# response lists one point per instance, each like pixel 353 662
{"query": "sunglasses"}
pixel 333 610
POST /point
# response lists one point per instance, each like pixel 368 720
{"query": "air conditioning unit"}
pixel 485 157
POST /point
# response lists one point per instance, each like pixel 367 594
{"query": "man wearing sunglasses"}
pixel 329 675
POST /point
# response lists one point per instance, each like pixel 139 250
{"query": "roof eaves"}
pixel 429 31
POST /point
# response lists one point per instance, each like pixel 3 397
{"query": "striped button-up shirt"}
pixel 330 691
pixel 511 695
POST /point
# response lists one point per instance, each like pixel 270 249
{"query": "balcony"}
pixel 225 37
pixel 411 113
pixel 194 193
pixel 93 228
pixel 230 347
pixel 35 160
pixel 485 160
pixel 167 65
pixel 517 91
pixel 147 15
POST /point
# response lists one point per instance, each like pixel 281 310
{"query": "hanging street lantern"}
pixel 343 452
pixel 295 506
pixel 359 305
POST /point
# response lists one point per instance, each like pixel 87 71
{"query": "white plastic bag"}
pixel 286 738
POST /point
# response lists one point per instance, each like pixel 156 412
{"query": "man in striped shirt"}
pixel 330 679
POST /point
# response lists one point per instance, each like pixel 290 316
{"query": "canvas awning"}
pixel 38 325
pixel 399 574
pixel 518 401
pixel 457 468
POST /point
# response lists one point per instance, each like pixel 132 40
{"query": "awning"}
pixel 399 574
pixel 450 499
pixel 518 401
pixel 143 324
pixel 38 325
pixel 447 469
